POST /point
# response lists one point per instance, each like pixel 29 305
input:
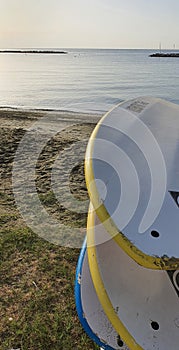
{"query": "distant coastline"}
pixel 51 52
pixel 167 54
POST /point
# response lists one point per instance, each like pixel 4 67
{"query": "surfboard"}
pixel 90 312
pixel 141 304
pixel 132 176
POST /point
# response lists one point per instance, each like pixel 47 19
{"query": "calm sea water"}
pixel 85 80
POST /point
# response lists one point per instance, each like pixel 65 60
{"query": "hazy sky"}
pixel 89 23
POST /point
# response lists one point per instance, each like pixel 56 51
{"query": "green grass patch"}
pixel 37 294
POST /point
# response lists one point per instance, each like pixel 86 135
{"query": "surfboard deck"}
pixel 142 304
pixel 132 176
pixel 90 312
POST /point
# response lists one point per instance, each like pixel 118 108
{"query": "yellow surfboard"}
pixel 132 176
pixel 141 304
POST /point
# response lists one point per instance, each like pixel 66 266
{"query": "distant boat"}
pixel 164 54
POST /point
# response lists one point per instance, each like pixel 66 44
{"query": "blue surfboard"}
pixel 90 311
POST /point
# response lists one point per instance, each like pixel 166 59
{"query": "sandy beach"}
pixel 22 275
pixel 62 133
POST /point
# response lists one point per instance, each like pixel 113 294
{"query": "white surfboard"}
pixel 132 175
pixel 141 304
pixel 90 312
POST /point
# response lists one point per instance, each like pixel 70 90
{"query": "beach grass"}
pixel 37 293
pixel 37 306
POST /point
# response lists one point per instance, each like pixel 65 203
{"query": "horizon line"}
pixel 83 48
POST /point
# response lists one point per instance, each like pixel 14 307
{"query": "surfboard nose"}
pixel 133 151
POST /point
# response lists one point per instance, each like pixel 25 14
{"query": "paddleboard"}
pixel 132 176
pixel 90 312
pixel 141 304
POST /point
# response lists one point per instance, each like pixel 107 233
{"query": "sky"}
pixel 89 23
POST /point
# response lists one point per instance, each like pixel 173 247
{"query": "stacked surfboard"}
pixel 127 278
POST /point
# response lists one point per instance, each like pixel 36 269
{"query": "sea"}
pixel 85 80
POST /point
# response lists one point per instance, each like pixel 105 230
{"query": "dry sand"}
pixel 62 132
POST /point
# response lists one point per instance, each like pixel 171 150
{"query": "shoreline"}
pixel 14 117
